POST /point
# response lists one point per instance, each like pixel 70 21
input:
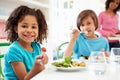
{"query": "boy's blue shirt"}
pixel 16 53
pixel 84 46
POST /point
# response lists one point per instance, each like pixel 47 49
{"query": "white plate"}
pixel 118 35
pixel 114 38
pixel 68 68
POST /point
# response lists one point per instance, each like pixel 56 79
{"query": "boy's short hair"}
pixel 84 14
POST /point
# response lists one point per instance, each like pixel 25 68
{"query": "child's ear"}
pixel 15 29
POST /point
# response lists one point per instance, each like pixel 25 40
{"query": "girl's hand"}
pixel 106 53
pixel 40 62
pixel 44 56
pixel 38 65
pixel 75 34
pixel 42 59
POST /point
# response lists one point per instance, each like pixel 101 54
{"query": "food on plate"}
pixel 67 62
pixel 107 58
pixel 61 64
pixel 76 64
pixel 82 64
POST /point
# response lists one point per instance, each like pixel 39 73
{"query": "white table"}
pixel 112 73
pixel 117 37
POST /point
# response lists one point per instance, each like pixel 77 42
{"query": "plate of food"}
pixel 68 64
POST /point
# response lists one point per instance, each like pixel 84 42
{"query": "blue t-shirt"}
pixel 84 46
pixel 16 53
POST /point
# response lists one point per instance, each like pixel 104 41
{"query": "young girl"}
pixel 84 40
pixel 109 22
pixel 26 29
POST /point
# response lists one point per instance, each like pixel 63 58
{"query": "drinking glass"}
pixel 97 62
pixel 115 55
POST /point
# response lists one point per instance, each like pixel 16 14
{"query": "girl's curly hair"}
pixel 17 16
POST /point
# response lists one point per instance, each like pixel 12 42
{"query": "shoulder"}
pixel 102 13
pixel 81 36
pixel 103 38
pixel 14 52
pixel 14 46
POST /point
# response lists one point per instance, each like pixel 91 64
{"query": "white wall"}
pixel 59 25
pixel 96 5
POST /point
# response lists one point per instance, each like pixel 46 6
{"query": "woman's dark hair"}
pixel 107 3
pixel 18 15
pixel 84 14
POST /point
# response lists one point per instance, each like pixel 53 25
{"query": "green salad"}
pixel 65 63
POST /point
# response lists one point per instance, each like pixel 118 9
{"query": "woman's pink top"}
pixel 108 24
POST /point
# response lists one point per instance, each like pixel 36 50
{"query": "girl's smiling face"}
pixel 88 27
pixel 27 29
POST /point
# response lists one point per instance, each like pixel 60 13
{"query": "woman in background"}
pixel 109 21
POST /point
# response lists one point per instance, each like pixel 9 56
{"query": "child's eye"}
pixel 34 27
pixel 82 25
pixel 117 3
pixel 24 26
pixel 88 23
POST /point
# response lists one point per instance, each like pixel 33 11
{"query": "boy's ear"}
pixel 15 29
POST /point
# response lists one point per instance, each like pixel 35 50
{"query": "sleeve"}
pixel 99 29
pixel 13 55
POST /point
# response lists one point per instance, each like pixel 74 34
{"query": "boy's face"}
pixel 28 29
pixel 88 26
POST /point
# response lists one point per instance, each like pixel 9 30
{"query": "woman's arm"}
pixel 118 32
